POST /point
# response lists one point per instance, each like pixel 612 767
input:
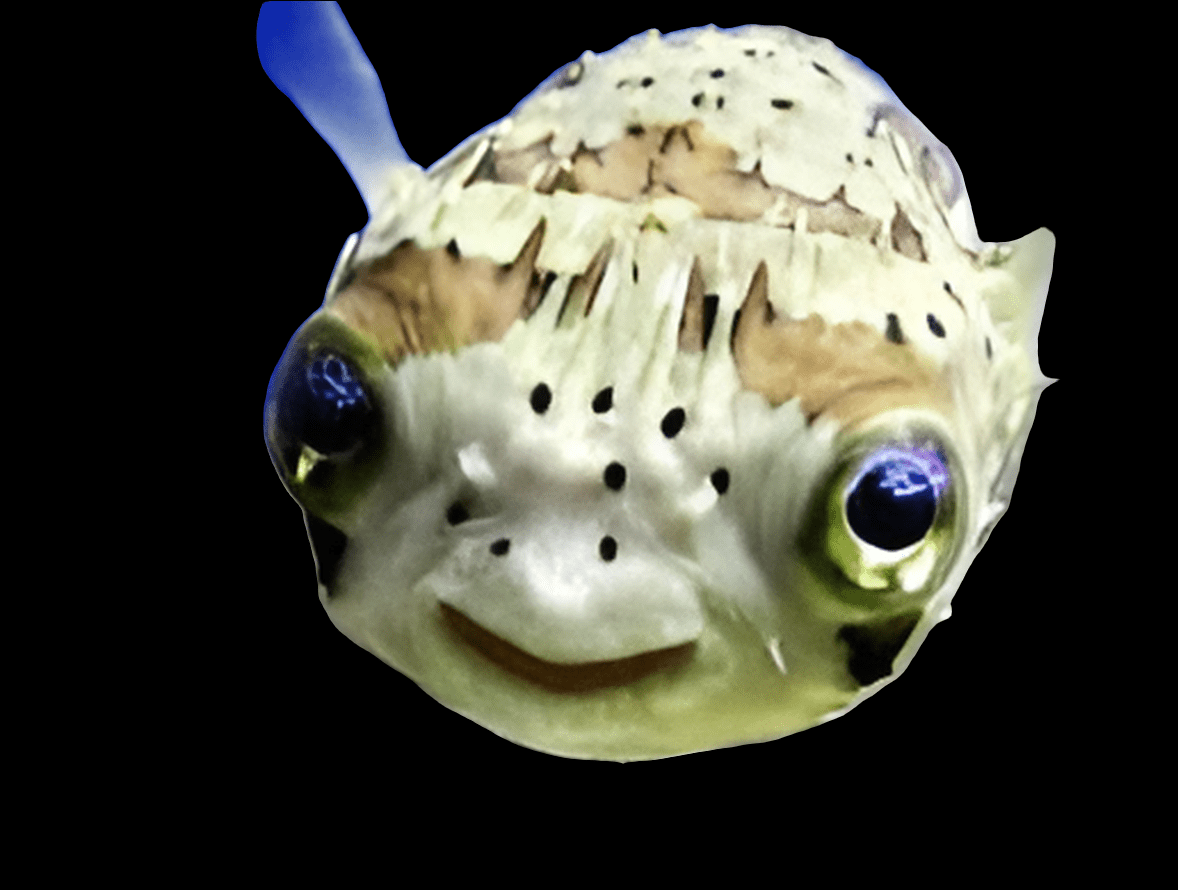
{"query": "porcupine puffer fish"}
pixel 665 414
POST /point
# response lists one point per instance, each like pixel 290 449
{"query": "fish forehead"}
pixel 810 165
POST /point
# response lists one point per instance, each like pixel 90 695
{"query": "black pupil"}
pixel 339 406
pixel 893 505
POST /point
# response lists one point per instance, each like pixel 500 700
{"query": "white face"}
pixel 626 472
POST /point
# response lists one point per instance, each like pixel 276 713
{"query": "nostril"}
pixel 457 513
pixel 500 547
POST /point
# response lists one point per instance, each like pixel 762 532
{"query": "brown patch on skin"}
pixel 652 161
pixel 836 215
pixel 691 322
pixel 905 239
pixel 416 301
pixel 847 370
pixel 676 160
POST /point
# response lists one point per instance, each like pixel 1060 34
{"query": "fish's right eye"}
pixel 324 423
pixel 331 410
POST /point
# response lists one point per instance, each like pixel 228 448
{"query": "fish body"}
pixel 666 413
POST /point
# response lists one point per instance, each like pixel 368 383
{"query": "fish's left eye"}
pixel 893 504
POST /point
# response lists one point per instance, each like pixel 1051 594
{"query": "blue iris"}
pixel 336 410
pixel 893 504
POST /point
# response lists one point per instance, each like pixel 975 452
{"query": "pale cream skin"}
pixel 801 310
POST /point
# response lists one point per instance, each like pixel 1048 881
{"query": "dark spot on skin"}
pixel 541 398
pixel 711 304
pixel 457 513
pixel 956 299
pixel 717 72
pixel 935 326
pixel 328 544
pixel 603 401
pixel 500 547
pixel 608 548
pixel 894 334
pixel 868 163
pixel 634 272
pixel 635 129
pixel 784 103
pixel 673 422
pixel 874 647
pixel 452 249
pixel 820 69
pixel 697 99
pixel 989 349
pixel 647 81
pixel 720 102
pixel 615 476
pixel 720 480
pixel 850 160
pixel 750 52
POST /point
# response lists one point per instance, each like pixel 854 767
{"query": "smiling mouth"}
pixel 588 676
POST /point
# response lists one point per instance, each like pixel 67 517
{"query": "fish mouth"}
pixel 589 676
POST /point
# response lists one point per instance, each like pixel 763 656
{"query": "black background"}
pixel 989 708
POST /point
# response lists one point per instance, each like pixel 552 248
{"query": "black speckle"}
pixel 720 102
pixel 894 334
pixel 457 513
pixel 328 545
pixel 634 272
pixel 820 69
pixel 989 349
pixel 720 480
pixel 783 103
pixel 615 476
pixel 850 160
pixel 697 99
pixel 750 52
pixel 541 398
pixel 711 304
pixel 868 163
pixel 635 129
pixel 673 422
pixel 717 72
pixel 935 326
pixel 603 401
pixel 608 548
pixel 621 83
pixel 500 547
pixel 452 249
pixel 647 81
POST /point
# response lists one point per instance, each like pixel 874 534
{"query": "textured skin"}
pixel 780 251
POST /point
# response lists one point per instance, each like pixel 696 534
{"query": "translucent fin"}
pixel 311 54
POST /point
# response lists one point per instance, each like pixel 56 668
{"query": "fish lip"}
pixel 588 676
